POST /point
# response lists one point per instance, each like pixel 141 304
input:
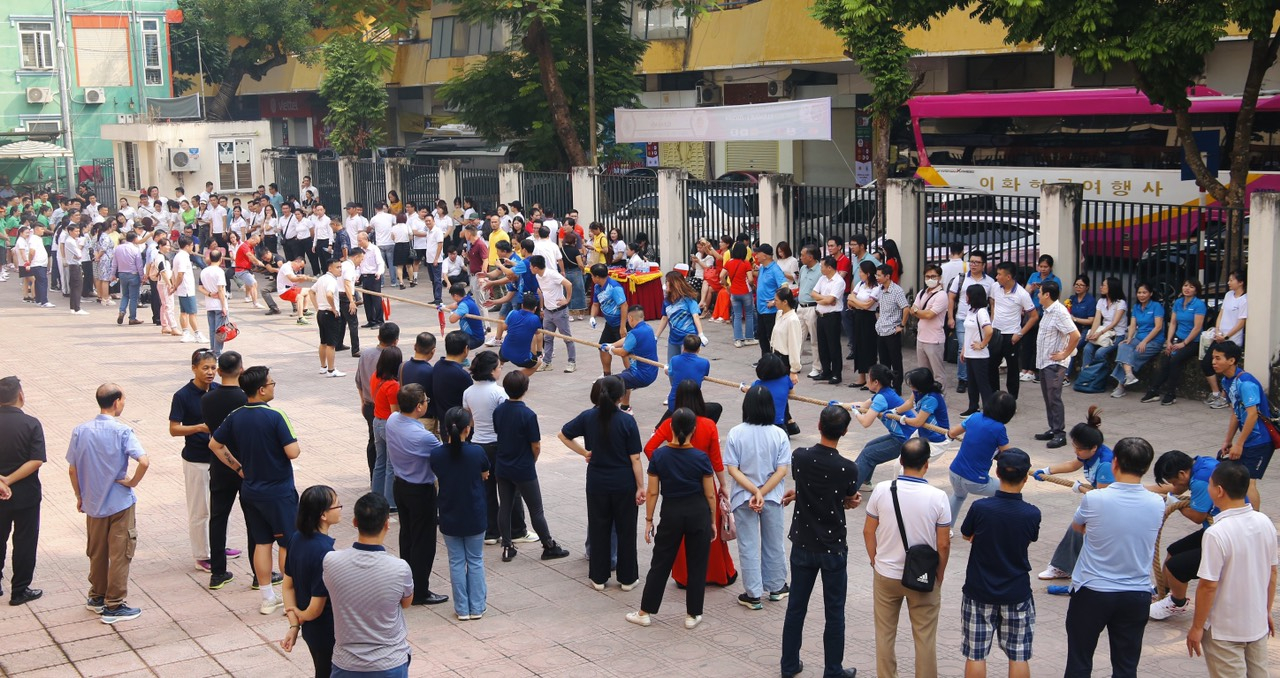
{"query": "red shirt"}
pixel 706 437
pixel 477 256
pixel 242 258
pixel 845 270
pixel 738 270
pixel 385 394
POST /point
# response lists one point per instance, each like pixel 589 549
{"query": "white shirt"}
pixel 34 244
pixel 829 287
pixel 417 225
pixel 435 237
pixel 312 191
pixel 373 263
pixel 290 226
pixel 355 226
pixel 400 233
pixel 321 228
pixel 269 225
pixel 790 267
pixel 211 278
pixel 548 250
pixel 217 218
pixel 1238 552
pixel 637 264
pixel 454 266
pixel 482 398
pixel 349 274
pixel 282 276
pixel 1055 331
pixel 975 325
pixel 618 247
pixel 1009 307
pixel 550 282
pixel 787 337
pixel 950 269
pixel 382 222
pixel 73 251
pixel 323 287
pixel 924 509
pixel 1233 309
pixel 444 222
pixel 182 264
pixel 962 302
pixel 238 225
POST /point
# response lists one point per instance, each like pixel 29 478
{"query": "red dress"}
pixel 706 437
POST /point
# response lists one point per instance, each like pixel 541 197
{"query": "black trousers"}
pixel 350 323
pixel 1011 354
pixel 372 304
pixel 518 525
pixel 1122 614
pixel 1171 369
pixel 847 316
pixel 829 355
pixel 323 255
pixel 606 512
pixel 531 493
pixel 889 350
pixel 319 637
pixel 75 284
pixel 223 488
pixel 370 451
pixel 155 301
pixel 86 274
pixel 978 387
pixel 291 249
pixel 310 251
pixel 418 522
pixel 271 242
pixel 764 331
pixel 685 519
pixel 25 526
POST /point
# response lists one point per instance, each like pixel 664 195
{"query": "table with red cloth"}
pixel 642 288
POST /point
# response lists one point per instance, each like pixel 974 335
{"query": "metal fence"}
pixel 481 185
pixel 630 205
pixel 420 184
pixel 719 208
pixel 1005 228
pixel 287 179
pixel 815 213
pixel 371 183
pixel 550 190
pixel 1162 245
pixel 104 181
pixel 328 182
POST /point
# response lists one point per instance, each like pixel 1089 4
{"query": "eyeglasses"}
pixel 334 508
pixel 931 277
pixel 270 383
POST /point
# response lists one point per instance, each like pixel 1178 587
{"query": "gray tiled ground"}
pixel 543 619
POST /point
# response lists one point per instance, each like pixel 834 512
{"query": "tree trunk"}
pixel 880 165
pixel 537 42
pixel 219 107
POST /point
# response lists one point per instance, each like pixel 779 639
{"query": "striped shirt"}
pixel 366 585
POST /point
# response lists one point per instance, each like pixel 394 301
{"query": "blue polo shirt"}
pixel 1145 315
pixel 474 328
pixel 769 280
pixel 680 471
pixel 409 448
pixel 1201 469
pixel 609 470
pixel 1121 523
pixel 185 409
pixel 517 429
pixel 526 281
pixel 1097 469
pixel 686 366
pixel 419 372
pixel 100 451
pixel 517 345
pixel 1184 316
pixel 641 342
pixel 1037 279
pixel 779 388
pixel 1084 308
pixel 983 438
pixel 448 381
pixel 304 563
pixel 462 498
pixel 888 400
pixel 1002 528
pixel 1243 391
pixel 612 299
pixel 680 315
pixel 259 433
pixel 936 406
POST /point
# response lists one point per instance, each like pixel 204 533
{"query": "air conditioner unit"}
pixel 184 159
pixel 708 95
pixel 779 89
pixel 95 95
pixel 39 95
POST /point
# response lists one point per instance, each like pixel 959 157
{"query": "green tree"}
pixel 212 56
pixel 505 96
pixel 353 91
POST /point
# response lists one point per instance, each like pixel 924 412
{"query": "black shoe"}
pixel 508 553
pixel 797 672
pixel 432 599
pixel 1150 397
pixel 821 377
pixel 1047 435
pixel 368 326
pixel 355 354
pixel 1059 440
pixel 25 596
pixel 850 356
pixel 120 319
pixel 276 578
pixel 217 581
pixel 1169 399
pixel 793 428
pixel 834 380
pixel 342 348
pixel 962 387
pixel 412 283
pixel 274 311
pixel 553 552
pixel 968 413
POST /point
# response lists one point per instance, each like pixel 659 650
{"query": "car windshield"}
pixel 733 205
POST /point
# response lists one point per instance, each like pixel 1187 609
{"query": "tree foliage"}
pixel 354 93
pixel 213 56
pixel 504 96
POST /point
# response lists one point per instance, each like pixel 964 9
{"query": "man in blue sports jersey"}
pixel 691 366
pixel 1248 441
pixel 639 342
pixel 607 300
pixel 884 401
pixel 523 344
pixel 464 305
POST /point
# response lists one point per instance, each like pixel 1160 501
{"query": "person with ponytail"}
pixel 306 599
pixel 985 437
pixel 927 406
pixel 1094 458
pixel 682 475
pixel 481 398
pixel 462 468
pixel 615 482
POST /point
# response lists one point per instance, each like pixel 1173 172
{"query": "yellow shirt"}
pixel 495 238
pixel 600 245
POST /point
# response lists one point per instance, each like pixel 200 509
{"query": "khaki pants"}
pixel 1227 659
pixel 923 609
pixel 809 321
pixel 112 541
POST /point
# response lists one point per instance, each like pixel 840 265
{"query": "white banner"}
pixel 781 121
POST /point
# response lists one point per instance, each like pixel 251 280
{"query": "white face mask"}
pixel 931 282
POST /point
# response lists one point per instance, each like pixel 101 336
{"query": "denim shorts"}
pixel 187 305
pixel 1012 624
pixel 246 278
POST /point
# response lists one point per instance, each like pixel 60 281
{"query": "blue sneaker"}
pixel 1059 590
pixel 119 613
pixel 95 605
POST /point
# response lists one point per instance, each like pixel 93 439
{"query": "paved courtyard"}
pixel 543 618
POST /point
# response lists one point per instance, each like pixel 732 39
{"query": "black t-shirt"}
pixel 186 409
pixel 21 442
pixel 216 405
pixel 823 480
pixel 610 467
pixel 680 471
pixel 571 254
pixel 448 381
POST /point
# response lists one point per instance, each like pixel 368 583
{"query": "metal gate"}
pixel 287 180
pixel 549 190
pixel 104 181
pixel 816 213
pixel 628 208
pixel 327 181
pixel 421 185
pixel 481 185
pixel 718 208
pixel 371 183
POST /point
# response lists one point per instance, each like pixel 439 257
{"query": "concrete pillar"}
pixel 904 211
pixel 394 168
pixel 268 167
pixel 1262 332
pixel 774 215
pixel 448 181
pixel 306 168
pixel 347 181
pixel 509 182
pixel 672 216
pixel 582 189
pixel 1060 229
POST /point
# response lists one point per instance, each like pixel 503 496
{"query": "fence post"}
pixel 268 167
pixel 306 168
pixel 1059 232
pixel 509 182
pixel 904 202
pixel 1262 332
pixel 394 169
pixel 773 207
pixel 582 190
pixel 672 215
pixel 347 180
pixel 448 180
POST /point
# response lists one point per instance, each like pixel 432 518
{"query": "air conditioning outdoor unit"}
pixel 779 89
pixel 184 159
pixel 708 95
pixel 95 95
pixel 39 95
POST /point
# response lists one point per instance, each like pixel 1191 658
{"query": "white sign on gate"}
pixel 806 119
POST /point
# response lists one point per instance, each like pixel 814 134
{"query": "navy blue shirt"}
pixel 259 434
pixel 474 328
pixel 1002 528
pixel 449 380
pixel 779 388
pixel 185 409
pixel 420 372
pixel 517 347
pixel 641 342
pixel 680 471
pixel 686 366
pixel 610 467
pixel 304 562
pixel 462 501
pixel 517 429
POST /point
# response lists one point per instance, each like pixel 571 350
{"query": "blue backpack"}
pixel 1093 377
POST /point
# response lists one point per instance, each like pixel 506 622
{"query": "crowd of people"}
pixel 454 441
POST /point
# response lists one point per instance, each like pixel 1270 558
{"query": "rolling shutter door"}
pixel 750 155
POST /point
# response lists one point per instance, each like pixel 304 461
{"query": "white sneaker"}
pixel 639 618
pixel 1119 392
pixel 692 621
pixel 628 587
pixel 271 605
pixel 815 372
pixel 324 371
pixel 750 342
pixel 529 537
pixel 49 305
pixel 335 374
pixel 80 312
pixel 571 367
pixel 1130 380
pixel 1164 609
pixel 544 367
pixel 492 342
pixel 1052 572
pixel 200 338
pixel 258 305
pixel 598 587
pixel 187 337
pixel 1025 376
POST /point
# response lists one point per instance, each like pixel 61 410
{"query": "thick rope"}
pixel 1157 563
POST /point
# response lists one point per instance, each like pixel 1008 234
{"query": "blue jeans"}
pixel 466 573
pixel 436 274
pixel 805 567
pixel 383 475
pixel 761 542
pixel 962 370
pixel 216 320
pixel 401 671
pixel 130 286
pixel 41 274
pixel 388 255
pixel 1094 353
pixel 1128 354
pixel 878 451
pixel 743 312
pixel 961 488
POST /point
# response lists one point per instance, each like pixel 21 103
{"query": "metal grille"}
pixel 420 184
pixel 287 179
pixel 371 183
pixel 104 181
pixel 815 213
pixel 1005 228
pixel 1162 245
pixel 328 183
pixel 718 208
pixel 630 205
pixel 481 185
pixel 550 190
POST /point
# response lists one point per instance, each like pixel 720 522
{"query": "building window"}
pixel 102 57
pixel 452 37
pixel 235 164
pixel 658 23
pixel 43 126
pixel 129 166
pixel 151 52
pixel 36 39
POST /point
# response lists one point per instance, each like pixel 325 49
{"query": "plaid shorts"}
pixel 1014 625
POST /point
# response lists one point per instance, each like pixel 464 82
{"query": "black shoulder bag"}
pixel 920 568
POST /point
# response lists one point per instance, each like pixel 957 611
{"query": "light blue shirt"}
pixel 771 278
pixel 1121 523
pixel 409 448
pixel 808 279
pixel 100 451
pixel 757 450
